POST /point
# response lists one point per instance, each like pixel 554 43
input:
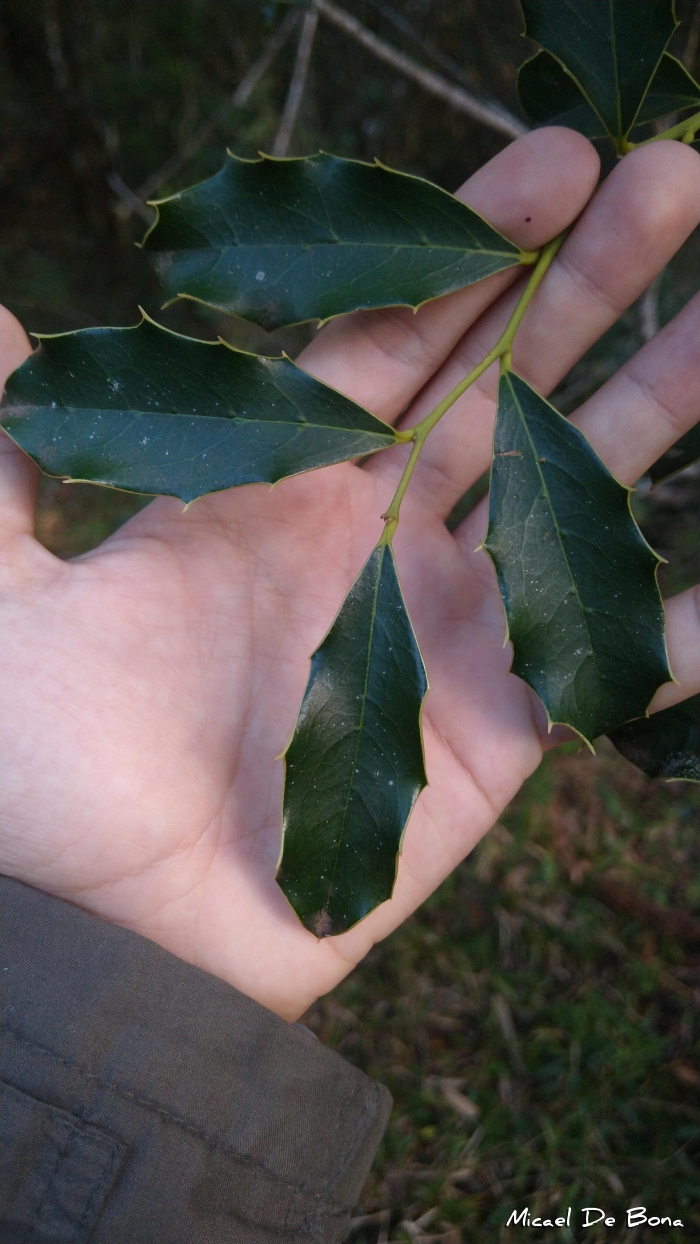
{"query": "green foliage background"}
pixel 556 975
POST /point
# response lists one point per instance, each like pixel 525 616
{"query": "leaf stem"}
pixel 685 130
pixel 502 350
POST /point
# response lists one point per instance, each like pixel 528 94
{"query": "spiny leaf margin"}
pixel 549 95
pixel 286 241
pixel 355 765
pixel 146 410
pixel 580 34
pixel 602 666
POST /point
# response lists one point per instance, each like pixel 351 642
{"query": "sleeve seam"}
pixel 185 1124
pixel 61 1151
pixel 102 1184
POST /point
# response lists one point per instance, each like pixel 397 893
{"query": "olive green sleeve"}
pixel 145 1100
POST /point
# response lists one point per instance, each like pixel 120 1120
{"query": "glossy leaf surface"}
pixel 672 89
pixel 683 454
pixel 149 411
pixel 578 579
pixel 284 241
pixel 667 744
pixel 354 768
pixel 611 47
pixel 550 96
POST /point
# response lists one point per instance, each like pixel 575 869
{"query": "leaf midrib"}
pixel 613 42
pixel 615 60
pixel 179 414
pixel 332 242
pixel 351 783
pixel 572 75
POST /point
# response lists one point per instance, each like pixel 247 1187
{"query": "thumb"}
pixel 19 476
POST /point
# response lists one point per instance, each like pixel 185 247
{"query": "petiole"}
pixel 685 130
pixel 502 350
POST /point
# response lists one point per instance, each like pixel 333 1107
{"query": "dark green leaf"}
pixel 611 47
pixel 672 90
pixel 354 768
pixel 578 579
pixel 283 241
pixel 149 411
pixel 683 454
pixel 667 744
pixel 549 96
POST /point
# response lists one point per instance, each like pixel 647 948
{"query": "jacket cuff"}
pixel 152 1101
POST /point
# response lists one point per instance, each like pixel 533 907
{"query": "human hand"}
pixel 150 684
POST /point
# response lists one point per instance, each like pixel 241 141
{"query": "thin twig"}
pixel 446 62
pixel 239 99
pixel 464 1106
pixel 297 84
pixel 493 115
pixel 367 1220
pixel 691 47
pixel 384 1225
pixel 54 49
pixel 504 1016
pixel 425 1219
pixel 131 201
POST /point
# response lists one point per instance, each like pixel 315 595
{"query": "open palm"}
pixel 150 685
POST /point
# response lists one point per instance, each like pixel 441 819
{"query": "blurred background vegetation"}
pixel 538 1022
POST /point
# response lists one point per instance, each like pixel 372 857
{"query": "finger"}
pixel 635 223
pixel 683 642
pixel 634 418
pixel 19 476
pixel 651 402
pixel 530 191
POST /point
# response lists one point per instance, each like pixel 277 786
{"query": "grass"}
pixel 538 1020
pixel 554 983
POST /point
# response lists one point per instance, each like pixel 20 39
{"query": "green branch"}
pixel 502 350
pixel 684 130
